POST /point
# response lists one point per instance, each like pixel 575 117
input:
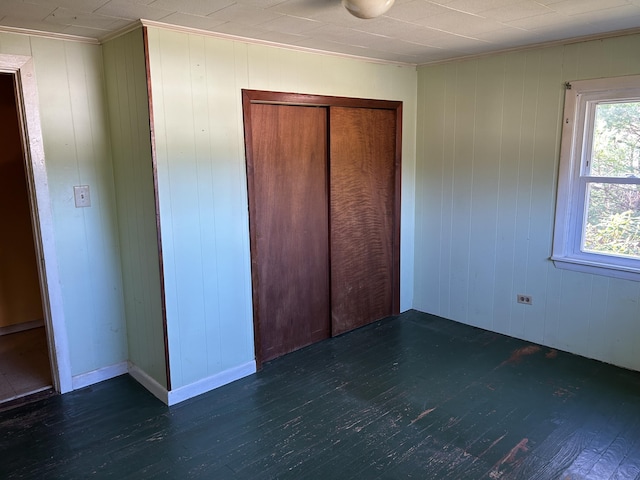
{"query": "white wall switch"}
pixel 81 196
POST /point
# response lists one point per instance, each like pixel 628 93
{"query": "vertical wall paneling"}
pixel 623 297
pixel 546 141
pixel 524 195
pixel 204 339
pixel 489 129
pixel 14 44
pixel 200 77
pixel 202 184
pixel 484 196
pixel 94 168
pixel 599 309
pixel 126 86
pixel 428 225
pixel 573 326
pixel 462 188
pixel 227 177
pixel 75 134
pixel 76 141
pixel 446 171
pixel 185 194
pixel 171 222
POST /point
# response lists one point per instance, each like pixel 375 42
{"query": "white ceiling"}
pixel 412 31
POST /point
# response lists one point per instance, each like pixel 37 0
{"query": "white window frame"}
pixel 577 133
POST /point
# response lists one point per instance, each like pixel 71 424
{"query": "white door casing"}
pixel 41 216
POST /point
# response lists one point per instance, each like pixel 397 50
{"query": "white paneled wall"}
pixel 126 85
pixel 488 150
pixel 77 152
pixel 196 89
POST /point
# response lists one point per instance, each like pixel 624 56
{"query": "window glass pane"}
pixel 612 220
pixel 616 140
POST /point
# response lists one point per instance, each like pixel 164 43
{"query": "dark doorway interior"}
pixel 24 362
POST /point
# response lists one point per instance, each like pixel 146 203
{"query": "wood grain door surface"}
pixel 362 200
pixel 323 181
pixel 289 226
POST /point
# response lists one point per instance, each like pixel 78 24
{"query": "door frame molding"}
pixel 22 69
pixel 300 99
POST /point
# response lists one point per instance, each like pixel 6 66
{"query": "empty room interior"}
pixel 312 239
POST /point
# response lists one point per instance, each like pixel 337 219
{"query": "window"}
pixel 597 227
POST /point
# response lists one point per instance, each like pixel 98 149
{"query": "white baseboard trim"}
pixel 20 327
pixel 151 384
pixel 207 384
pixel 105 373
pixel 159 391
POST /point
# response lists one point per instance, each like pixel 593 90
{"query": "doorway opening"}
pixel 39 307
pixel 24 361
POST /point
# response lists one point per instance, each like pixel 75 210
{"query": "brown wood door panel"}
pixel 362 181
pixel 287 166
pixel 324 232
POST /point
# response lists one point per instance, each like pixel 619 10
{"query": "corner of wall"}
pixel 194 389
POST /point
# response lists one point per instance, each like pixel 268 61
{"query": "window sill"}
pixel 596 268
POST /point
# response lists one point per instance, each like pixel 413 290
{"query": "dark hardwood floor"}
pixel 414 396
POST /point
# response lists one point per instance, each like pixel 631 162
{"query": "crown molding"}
pixel 122 31
pixel 50 35
pixel 237 38
pixel 533 46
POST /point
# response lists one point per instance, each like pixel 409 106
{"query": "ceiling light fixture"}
pixel 367 8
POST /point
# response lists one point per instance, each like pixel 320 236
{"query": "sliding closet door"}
pixel 287 172
pixel 363 201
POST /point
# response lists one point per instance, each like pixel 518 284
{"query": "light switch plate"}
pixel 81 196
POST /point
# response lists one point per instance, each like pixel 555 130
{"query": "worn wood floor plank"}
pixel 414 397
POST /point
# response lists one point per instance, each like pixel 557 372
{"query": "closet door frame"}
pixel 286 98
